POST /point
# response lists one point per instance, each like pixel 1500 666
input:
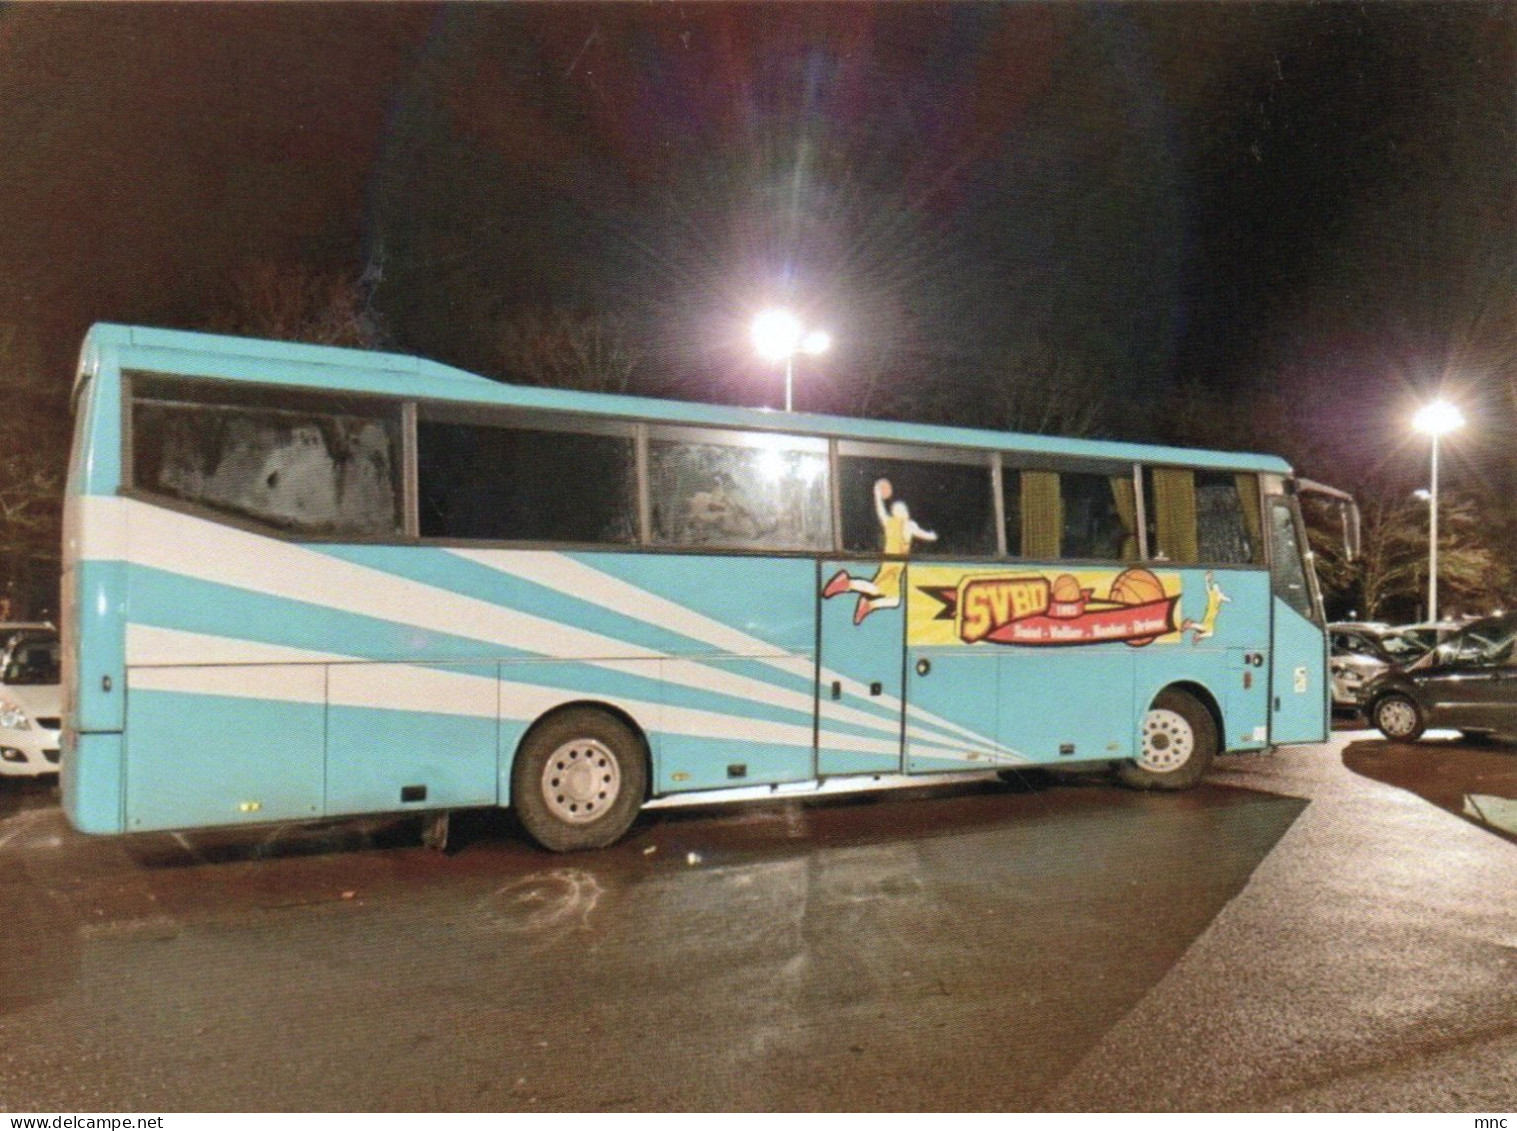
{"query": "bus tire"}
pixel 579 780
pixel 1398 717
pixel 1178 742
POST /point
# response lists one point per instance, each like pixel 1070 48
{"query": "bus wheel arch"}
pixel 580 776
pixel 1179 735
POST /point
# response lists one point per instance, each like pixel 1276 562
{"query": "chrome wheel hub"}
pixel 1397 717
pixel 581 781
pixel 1168 741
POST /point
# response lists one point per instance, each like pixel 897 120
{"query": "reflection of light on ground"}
pixel 1497 812
pixel 554 902
pixel 33 828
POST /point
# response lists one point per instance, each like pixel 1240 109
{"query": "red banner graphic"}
pixel 1034 611
pixel 1135 624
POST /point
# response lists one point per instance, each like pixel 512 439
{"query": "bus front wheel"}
pixel 1178 741
pixel 579 780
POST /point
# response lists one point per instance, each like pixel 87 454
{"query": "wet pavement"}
pixel 1474 780
pixel 1325 928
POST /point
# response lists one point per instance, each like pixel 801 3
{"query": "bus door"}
pixel 1006 666
pixel 953 688
pixel 859 667
pixel 1298 655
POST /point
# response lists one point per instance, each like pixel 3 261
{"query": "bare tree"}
pixel 1390 577
pixel 1042 390
pixel 293 302
pixel 1474 566
pixel 34 440
pixel 594 351
pixel 1393 561
pixel 878 389
pixel 31 488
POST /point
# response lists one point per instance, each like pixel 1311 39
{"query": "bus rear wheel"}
pixel 1179 740
pixel 579 780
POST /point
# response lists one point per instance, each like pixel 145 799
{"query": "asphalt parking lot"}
pixel 1326 928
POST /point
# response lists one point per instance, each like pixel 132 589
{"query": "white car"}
pixel 1357 657
pixel 31 705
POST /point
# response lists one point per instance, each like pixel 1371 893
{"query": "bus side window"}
pixel 739 492
pixel 1288 575
pixel 1011 509
pixel 1100 516
pixel 525 484
pixel 1227 518
pixel 1169 495
pixel 307 464
pixel 1199 517
pixel 1070 514
pixel 930 509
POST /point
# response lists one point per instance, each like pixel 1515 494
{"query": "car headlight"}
pixel 12 717
pixel 1351 676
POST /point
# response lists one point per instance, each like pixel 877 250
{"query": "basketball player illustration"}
pixel 1207 625
pixel 883 590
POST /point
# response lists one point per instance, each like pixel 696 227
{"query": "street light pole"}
pixel 1435 419
pixel 778 336
pixel 1432 539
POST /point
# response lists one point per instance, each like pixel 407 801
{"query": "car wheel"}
pixel 1178 742
pixel 1399 718
pixel 579 780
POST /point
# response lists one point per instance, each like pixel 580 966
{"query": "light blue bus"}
pixel 304 582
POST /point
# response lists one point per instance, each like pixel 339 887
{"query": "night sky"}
pixel 1318 199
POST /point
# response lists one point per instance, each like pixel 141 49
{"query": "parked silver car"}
pixel 31 704
pixel 1362 651
pixel 1354 659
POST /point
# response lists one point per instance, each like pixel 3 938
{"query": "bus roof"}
pixel 388 374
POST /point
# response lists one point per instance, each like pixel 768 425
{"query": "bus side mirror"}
pixel 1330 498
pixel 1350 516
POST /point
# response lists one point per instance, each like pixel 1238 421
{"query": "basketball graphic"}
pixel 1137 587
pixel 1066 590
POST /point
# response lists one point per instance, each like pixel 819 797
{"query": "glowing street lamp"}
pixel 778 335
pixel 816 342
pixel 1436 419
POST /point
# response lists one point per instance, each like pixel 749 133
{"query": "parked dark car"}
pixel 1467 683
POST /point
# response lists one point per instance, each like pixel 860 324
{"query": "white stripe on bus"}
pixel 227 556
pixel 292 675
pixel 576 579
pixel 264 565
